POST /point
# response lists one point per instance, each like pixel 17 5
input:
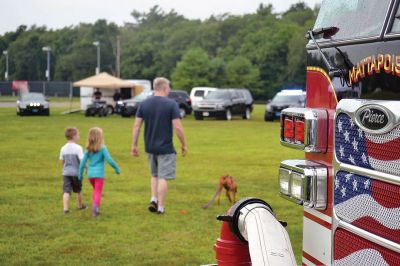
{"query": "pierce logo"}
pixel 373 118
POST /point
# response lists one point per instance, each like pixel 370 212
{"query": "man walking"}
pixel 160 116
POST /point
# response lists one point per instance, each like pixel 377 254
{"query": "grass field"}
pixel 34 230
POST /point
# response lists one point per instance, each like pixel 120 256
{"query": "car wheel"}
pixel 103 112
pixel 21 112
pixel 198 116
pixel 268 117
pixel 182 112
pixel 110 109
pixel 228 114
pixel 247 114
pixel 47 112
pixel 90 112
pixel 125 114
pixel 128 112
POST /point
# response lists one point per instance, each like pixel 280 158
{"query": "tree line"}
pixel 263 51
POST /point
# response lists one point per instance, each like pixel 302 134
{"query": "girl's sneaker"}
pixel 95 211
pixel 83 207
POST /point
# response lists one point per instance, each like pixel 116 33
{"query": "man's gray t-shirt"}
pixel 157 113
pixel 71 154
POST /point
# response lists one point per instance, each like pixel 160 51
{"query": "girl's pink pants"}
pixel 97 184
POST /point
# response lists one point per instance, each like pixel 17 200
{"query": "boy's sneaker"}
pixel 153 206
pixel 83 207
pixel 66 211
pixel 161 212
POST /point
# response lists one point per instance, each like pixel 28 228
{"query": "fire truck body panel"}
pixel 370 71
pixel 349 180
pixel 316 223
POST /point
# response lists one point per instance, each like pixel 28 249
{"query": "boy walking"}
pixel 70 155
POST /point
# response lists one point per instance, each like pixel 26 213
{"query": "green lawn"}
pixel 34 230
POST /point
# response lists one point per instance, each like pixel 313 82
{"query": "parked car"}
pixel 224 103
pixel 198 93
pixel 248 98
pixel 183 100
pixel 284 99
pixel 32 104
pixel 129 107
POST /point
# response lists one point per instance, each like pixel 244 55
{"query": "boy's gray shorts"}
pixel 163 165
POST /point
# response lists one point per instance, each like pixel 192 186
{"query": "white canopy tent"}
pixel 107 85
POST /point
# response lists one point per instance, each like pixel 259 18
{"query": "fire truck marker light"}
pixel 304 182
pixel 304 129
pixel 284 177
pixel 299 131
pixel 288 131
pixel 296 186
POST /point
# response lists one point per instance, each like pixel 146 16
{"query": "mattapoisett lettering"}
pixel 389 63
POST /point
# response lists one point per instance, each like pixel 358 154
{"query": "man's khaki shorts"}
pixel 162 165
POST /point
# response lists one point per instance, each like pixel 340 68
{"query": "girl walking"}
pixel 96 153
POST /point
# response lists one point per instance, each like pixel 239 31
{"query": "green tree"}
pixel 240 73
pixel 264 51
pixel 193 70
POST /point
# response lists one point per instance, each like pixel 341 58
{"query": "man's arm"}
pixel 135 135
pixel 181 134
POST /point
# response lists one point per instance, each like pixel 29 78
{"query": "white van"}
pixel 198 93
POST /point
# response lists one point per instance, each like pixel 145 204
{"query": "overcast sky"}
pixel 60 13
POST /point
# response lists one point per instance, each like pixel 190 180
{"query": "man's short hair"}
pixel 70 132
pixel 159 82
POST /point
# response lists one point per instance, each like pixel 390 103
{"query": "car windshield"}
pixel 220 94
pixel 287 98
pixel 143 95
pixel 32 97
pixel 354 18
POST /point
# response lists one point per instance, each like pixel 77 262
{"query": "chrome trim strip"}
pixel 289 198
pixel 338 43
pixel 370 173
pixel 371 237
pixel 388 16
pixel 391 36
pixel 391 18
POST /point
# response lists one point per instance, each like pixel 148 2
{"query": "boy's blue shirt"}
pixel 96 163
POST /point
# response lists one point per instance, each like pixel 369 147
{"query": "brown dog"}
pixel 230 186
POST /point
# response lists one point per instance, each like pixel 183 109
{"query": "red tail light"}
pixel 299 131
pixel 304 128
pixel 288 130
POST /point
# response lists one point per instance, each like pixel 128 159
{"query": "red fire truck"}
pixel 349 180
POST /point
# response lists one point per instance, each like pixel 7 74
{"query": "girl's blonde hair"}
pixel 95 139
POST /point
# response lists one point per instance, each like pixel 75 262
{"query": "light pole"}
pixel 97 44
pixel 48 50
pixel 5 53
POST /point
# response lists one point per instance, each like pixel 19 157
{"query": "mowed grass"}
pixel 34 230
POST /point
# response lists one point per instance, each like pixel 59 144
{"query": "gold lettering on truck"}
pixel 389 63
